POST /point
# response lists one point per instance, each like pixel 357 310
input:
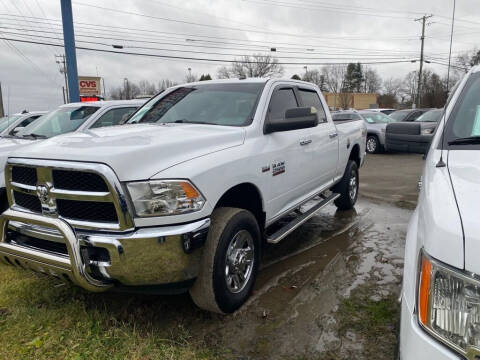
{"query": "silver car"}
pixel 376 124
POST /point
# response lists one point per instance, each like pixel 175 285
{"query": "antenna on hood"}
pixel 441 163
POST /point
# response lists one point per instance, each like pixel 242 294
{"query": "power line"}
pixel 190 37
pixel 200 59
pixel 191 42
pixel 188 51
pixel 333 56
pixel 193 23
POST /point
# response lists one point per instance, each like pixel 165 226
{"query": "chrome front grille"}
pixel 87 196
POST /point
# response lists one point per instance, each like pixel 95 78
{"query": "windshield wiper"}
pixel 465 141
pixel 185 121
pixel 34 136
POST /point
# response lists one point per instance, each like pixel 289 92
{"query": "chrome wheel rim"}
pixel 371 145
pixel 352 186
pixel 239 261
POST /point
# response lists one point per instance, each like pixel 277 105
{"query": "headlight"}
pixel 165 197
pixel 427 131
pixel 449 306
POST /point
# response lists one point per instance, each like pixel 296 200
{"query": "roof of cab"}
pixel 107 103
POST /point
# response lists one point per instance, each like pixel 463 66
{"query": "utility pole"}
pixel 423 19
pixel 70 52
pixel 2 112
pixel 60 60
pixel 126 89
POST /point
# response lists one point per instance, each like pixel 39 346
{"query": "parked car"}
pixel 376 123
pixel 382 110
pixel 441 287
pixel 66 118
pixel 9 125
pixel 408 115
pixel 185 196
pixel 415 136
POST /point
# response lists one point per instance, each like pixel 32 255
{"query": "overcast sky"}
pixel 325 31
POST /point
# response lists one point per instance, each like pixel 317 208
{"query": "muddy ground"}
pixel 329 290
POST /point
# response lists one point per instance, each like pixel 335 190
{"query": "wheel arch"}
pixel 355 154
pixel 245 196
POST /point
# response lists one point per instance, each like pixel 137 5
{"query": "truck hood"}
pixel 464 168
pixel 7 146
pixel 137 152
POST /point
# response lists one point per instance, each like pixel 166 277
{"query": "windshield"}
pixel 60 121
pixel 399 115
pixel 431 116
pixel 377 118
pixel 215 104
pixel 464 120
pixel 6 121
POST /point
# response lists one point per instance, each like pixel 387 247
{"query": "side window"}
pixel 415 115
pixel 114 117
pixel 24 123
pixel 310 98
pixel 356 117
pixel 281 101
pixel 28 120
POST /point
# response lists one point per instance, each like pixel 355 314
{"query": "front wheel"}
pixel 373 145
pixel 231 258
pixel 348 187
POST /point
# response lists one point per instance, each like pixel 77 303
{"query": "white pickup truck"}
pixel 184 196
pixel 441 283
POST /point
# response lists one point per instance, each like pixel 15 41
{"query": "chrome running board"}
pixel 280 234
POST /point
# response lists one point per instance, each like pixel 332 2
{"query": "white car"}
pixel 9 125
pixel 441 285
pixel 66 118
pixel 386 111
pixel 184 196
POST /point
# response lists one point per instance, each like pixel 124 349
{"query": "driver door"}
pixel 284 161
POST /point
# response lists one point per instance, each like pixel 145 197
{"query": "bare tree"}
pixel 315 77
pixel 345 100
pixel 223 73
pixel 373 82
pixel 409 87
pixel 165 84
pixel 392 86
pixel 334 77
pixel 256 65
pixel 146 87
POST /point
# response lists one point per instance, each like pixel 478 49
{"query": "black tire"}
pixel 373 145
pixel 210 290
pixel 347 200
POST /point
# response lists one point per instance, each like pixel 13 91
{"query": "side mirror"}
pixel 296 118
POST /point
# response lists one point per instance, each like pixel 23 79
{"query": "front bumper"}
pixel 416 343
pixel 144 257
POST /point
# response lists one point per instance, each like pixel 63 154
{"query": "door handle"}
pixel 305 142
pixel 333 135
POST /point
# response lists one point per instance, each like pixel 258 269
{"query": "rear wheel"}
pixel 231 258
pixel 348 187
pixel 373 145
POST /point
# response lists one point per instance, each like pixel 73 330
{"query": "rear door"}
pixel 322 151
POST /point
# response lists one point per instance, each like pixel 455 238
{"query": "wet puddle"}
pixel 291 312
